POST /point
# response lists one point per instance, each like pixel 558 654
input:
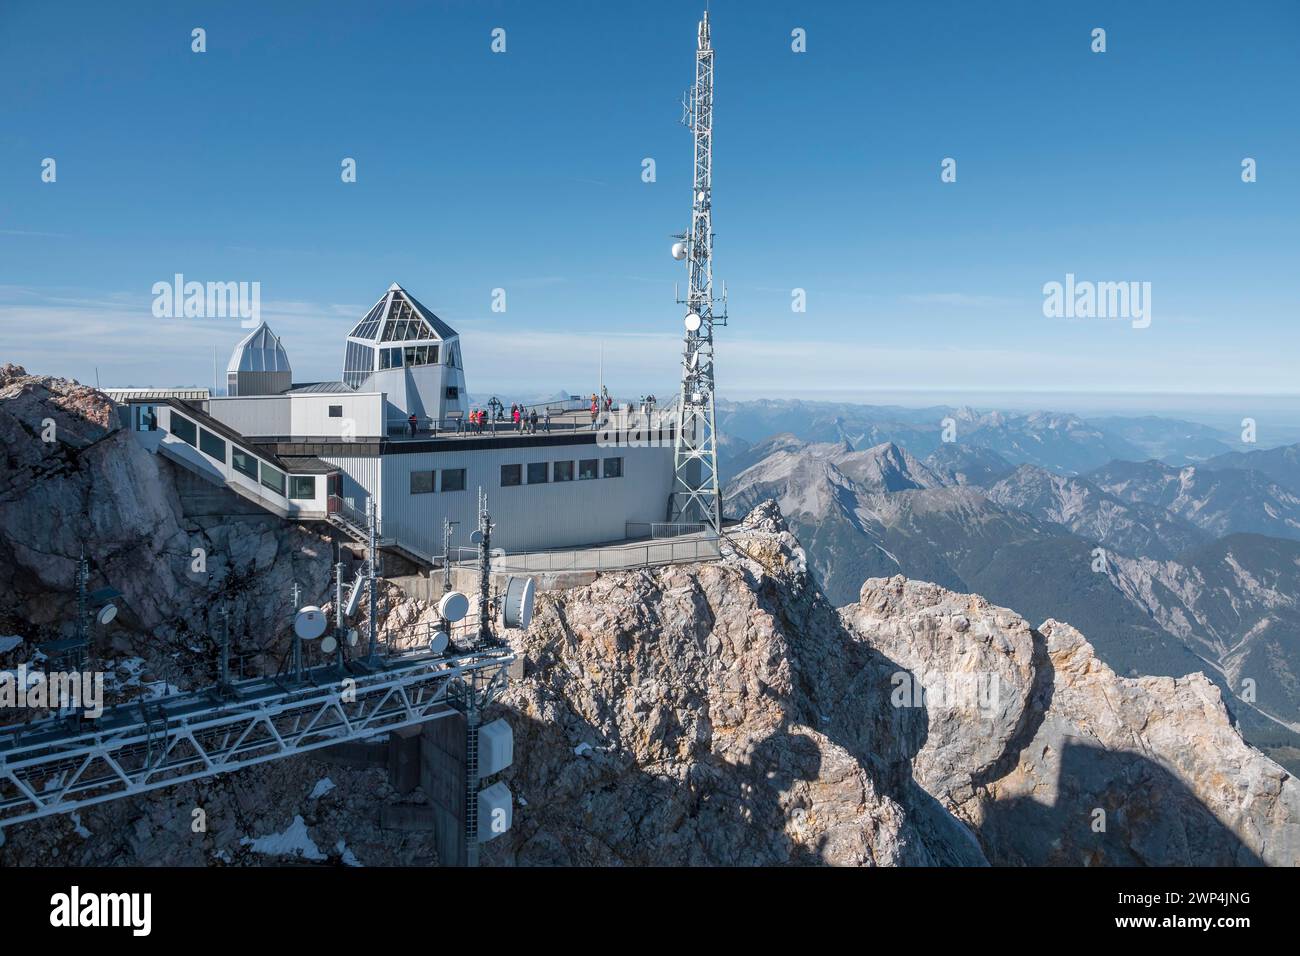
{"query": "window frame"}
pixel 193 440
pixel 235 450
pixel 442 479
pixel 555 470
pixel 605 467
pixel 212 437
pixel 545 467
pixel 595 468
pixel 293 488
pixel 433 482
pixel 519 476
pixel 262 472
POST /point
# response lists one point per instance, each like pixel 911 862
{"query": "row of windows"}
pixel 300 486
pixel 423 482
pixel 410 355
pixel 540 472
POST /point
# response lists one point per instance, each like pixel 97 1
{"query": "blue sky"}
pixel 522 171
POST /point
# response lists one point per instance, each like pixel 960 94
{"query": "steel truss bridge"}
pixel 61 764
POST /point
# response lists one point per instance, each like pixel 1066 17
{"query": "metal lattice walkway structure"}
pixel 64 763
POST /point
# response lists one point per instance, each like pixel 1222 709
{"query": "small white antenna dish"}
pixel 498 552
pixel 679 250
pixel 693 322
pixel 329 645
pixel 476 536
pixel 438 642
pixel 517 609
pixel 106 613
pixel 453 606
pixel 353 637
pixel 309 623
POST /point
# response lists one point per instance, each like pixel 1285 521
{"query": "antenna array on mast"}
pixel 695 495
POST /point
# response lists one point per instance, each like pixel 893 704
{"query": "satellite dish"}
pixel 106 613
pixel 453 606
pixel 693 322
pixel 517 609
pixel 329 645
pixel 438 643
pixel 353 637
pixel 309 623
pixel 679 250
pixel 476 536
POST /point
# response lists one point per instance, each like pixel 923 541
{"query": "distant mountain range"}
pixel 1169 567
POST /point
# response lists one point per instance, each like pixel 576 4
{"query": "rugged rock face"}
pixel 714 714
pixel 74 481
pixel 1053 759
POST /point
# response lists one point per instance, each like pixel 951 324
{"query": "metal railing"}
pixel 621 557
pixel 663 529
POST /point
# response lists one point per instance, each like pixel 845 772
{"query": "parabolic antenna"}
pixel 453 606
pixel 438 642
pixel 679 250
pixel 476 536
pixel 517 610
pixel 329 645
pixel 353 637
pixel 693 322
pixel 106 613
pixel 309 623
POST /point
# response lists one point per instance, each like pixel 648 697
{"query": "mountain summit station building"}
pixel 329 451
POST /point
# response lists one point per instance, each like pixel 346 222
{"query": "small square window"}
pixel 511 475
pixel 613 467
pixel 302 487
pixel 212 446
pixel 184 429
pixel 564 471
pixel 273 479
pixel 244 463
pixel 453 479
pixel 336 411
pixel 453 391
pixel 588 468
pixel 421 482
pixel 537 472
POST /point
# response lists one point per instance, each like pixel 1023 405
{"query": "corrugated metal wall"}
pixel 527 517
pixel 253 416
pixel 361 480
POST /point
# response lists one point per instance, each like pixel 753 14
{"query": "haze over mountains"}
pixel 1174 550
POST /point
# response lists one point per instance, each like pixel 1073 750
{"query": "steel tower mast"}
pixel 695 495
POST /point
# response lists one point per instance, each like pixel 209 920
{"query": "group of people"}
pixel 524 421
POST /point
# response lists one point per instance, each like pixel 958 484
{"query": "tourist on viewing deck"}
pixel 412 422
pixel 548 418
pixel 532 422
pixel 516 413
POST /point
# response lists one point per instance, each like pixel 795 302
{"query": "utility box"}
pixel 496 747
pixel 495 811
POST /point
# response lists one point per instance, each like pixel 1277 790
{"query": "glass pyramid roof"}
pixel 398 317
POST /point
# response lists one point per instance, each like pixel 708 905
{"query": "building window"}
pixel 146 419
pixel 390 358
pixel 244 463
pixel 212 446
pixel 184 429
pixel 537 472
pixel 302 487
pixel 273 479
pixel 336 411
pixel 421 482
pixel 511 475
pixel 453 479
pixel 588 468
pixel 613 467
pixel 453 391
pixel 564 471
